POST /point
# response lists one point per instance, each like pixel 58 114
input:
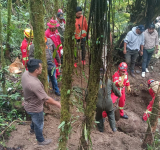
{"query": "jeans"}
pixel 146 59
pixel 83 43
pixel 131 57
pixel 54 81
pixel 37 125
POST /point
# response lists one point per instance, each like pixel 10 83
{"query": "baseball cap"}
pixel 141 28
pixel 60 15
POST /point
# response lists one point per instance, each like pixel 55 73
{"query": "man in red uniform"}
pixel 120 78
pixel 24 46
pixel 80 31
pixel 153 89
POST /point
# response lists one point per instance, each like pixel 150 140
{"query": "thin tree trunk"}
pixel 56 7
pixel 9 8
pixel 2 57
pixel 152 123
pixel 97 14
pixel 67 73
pixel 37 21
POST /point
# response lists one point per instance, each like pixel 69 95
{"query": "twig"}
pixel 10 125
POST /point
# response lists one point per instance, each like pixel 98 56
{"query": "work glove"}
pixel 129 89
pixel 120 84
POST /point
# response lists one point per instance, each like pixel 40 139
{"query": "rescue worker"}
pixel 81 28
pixel 104 103
pixel 24 46
pixel 120 78
pixel 153 89
pixel 50 47
pixel 53 34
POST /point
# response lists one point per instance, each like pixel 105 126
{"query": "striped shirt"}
pixel 34 93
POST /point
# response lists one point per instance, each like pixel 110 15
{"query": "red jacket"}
pixel 78 26
pixel 117 78
pixel 24 52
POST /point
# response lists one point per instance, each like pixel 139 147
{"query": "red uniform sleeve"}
pixel 86 25
pixel 127 81
pixel 115 79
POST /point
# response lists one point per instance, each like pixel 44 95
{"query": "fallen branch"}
pixel 10 125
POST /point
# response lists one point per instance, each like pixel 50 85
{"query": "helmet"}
pixel 28 33
pixel 123 66
pixel 150 81
pixel 60 10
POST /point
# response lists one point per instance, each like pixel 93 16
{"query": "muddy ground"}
pixel 130 132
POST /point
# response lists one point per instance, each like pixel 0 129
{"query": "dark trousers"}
pixel 131 57
pixel 146 59
pixel 99 118
pixel 83 43
pixel 54 81
pixel 37 125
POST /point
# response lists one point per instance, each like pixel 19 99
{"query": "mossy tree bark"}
pixel 56 7
pixel 152 123
pixel 68 57
pixel 37 21
pixel 2 57
pixel 96 21
pixel 9 8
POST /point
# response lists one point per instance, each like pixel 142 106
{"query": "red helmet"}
pixel 123 66
pixel 60 10
pixel 150 81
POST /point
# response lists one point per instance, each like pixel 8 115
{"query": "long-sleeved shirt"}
pixel 48 57
pixel 134 40
pixel 150 40
pixel 79 27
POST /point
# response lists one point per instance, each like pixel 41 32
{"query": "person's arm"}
pixel 53 102
pixel 141 50
pixel 156 43
pixel 125 46
pixel 115 90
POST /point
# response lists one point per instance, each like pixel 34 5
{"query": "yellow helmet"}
pixel 28 33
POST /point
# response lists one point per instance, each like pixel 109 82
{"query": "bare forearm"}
pixel 125 45
pixel 156 47
pixel 53 102
pixel 142 47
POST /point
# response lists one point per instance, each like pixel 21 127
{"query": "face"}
pixel 39 70
pixel 60 20
pixel 53 29
pixel 79 14
pixel 151 30
pixel 138 31
pixel 121 72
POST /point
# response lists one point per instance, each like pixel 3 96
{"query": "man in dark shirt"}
pixel 35 96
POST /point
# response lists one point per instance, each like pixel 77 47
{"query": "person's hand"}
pixel 129 89
pixel 59 64
pixel 58 105
pixel 120 84
pixel 124 51
pixel 156 52
pixel 141 53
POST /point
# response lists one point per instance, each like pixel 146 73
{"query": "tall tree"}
pixel 9 8
pixel 98 23
pixel 56 7
pixel 37 21
pixel 67 72
pixel 2 56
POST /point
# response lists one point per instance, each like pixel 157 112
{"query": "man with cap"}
pixel 61 28
pixel 28 33
pixel 133 44
pixel 150 45
pixel 53 34
pixel 80 31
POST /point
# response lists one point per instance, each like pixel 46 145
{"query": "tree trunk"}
pixel 37 21
pixel 67 73
pixel 56 7
pixel 97 14
pixel 3 80
pixel 152 123
pixel 9 8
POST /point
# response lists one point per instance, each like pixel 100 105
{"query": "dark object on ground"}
pixel 5 148
pixel 58 94
pixel 124 116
